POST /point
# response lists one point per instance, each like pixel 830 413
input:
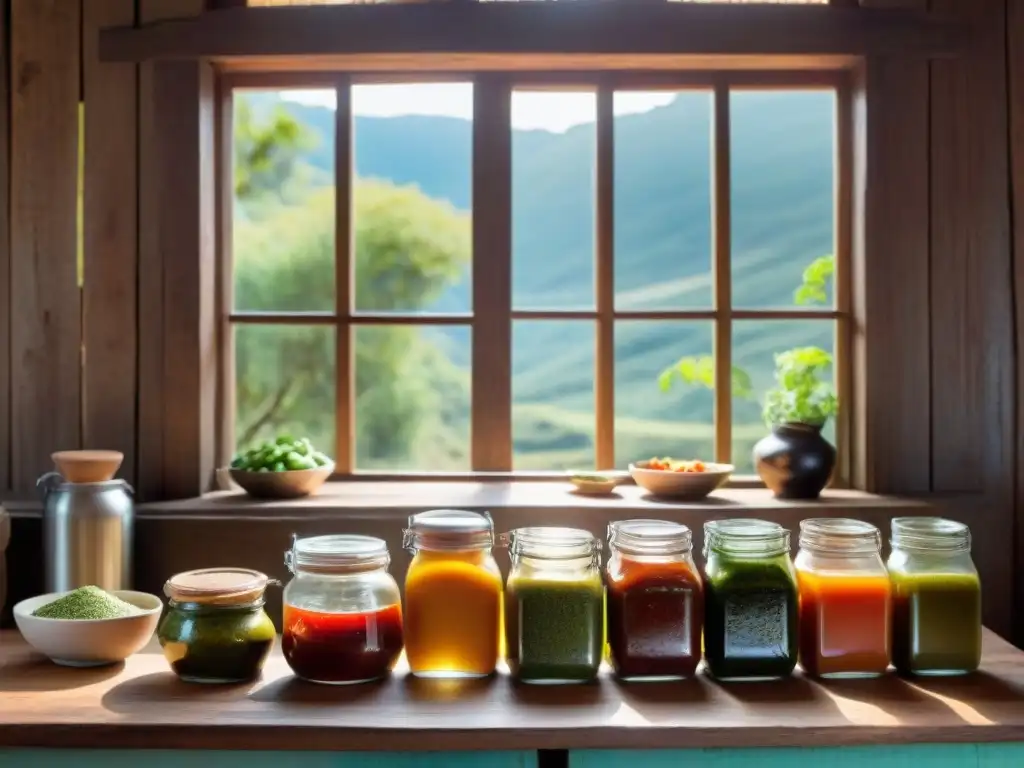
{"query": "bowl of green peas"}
pixel 285 468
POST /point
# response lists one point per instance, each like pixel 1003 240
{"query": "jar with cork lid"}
pixel 215 629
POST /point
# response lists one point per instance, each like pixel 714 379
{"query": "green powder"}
pixel 87 603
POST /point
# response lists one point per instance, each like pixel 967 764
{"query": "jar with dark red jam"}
pixel 342 611
pixel 655 600
pixel 750 600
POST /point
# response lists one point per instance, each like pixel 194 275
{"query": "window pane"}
pixel 553 191
pixel 553 394
pixel 783 206
pixel 413 158
pixel 283 235
pixel 662 200
pixel 284 383
pixel 755 344
pixel 658 415
pixel 412 397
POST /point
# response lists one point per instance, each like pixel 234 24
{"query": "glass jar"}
pixel 215 629
pixel 936 597
pixel 453 594
pixel 554 606
pixel 342 611
pixel 845 599
pixel 750 600
pixel 655 600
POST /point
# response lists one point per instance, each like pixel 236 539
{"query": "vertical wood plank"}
pixel 46 306
pixel 183 98
pixel 344 265
pixel 110 245
pixel 721 218
pixel 5 259
pixel 150 421
pixel 225 418
pixel 492 274
pixel 971 292
pixel 604 274
pixel 844 184
pixel 890 264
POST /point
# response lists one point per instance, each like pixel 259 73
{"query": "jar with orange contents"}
pixel 453 595
pixel 845 599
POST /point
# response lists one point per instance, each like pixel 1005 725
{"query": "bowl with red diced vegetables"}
pixel 285 468
pixel 683 479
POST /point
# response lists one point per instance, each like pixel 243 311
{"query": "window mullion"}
pixel 604 272
pixel 721 228
pixel 343 267
pixel 491 428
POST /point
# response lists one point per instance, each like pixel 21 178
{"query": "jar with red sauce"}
pixel 655 600
pixel 342 611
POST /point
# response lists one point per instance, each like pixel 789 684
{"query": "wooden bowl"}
pixel 87 466
pixel 685 486
pixel 597 483
pixel 290 484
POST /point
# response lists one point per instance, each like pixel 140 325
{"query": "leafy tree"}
pixel 408 249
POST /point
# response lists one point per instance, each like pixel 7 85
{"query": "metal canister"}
pixel 87 533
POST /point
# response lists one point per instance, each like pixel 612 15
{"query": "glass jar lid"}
pixel 449 529
pixel 551 543
pixel 933 534
pixel 743 537
pixel 840 535
pixel 650 537
pixel 336 554
pixel 217 586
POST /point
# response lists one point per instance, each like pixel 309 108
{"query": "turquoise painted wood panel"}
pixel 918 755
pixel 134 758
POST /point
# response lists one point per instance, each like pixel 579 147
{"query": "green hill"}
pixel 782 157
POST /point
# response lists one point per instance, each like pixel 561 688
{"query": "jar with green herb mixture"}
pixel 750 600
pixel 215 629
pixel 554 606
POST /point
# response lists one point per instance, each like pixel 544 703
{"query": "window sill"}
pixel 362 498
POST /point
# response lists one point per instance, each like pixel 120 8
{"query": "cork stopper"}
pixel 217 586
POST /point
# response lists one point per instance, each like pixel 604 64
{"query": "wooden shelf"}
pixel 538 35
pixel 141 704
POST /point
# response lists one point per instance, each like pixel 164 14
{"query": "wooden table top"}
pixel 142 704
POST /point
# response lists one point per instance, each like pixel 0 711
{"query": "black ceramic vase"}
pixel 795 461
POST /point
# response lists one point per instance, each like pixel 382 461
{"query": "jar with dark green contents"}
pixel 750 600
pixel 554 606
pixel 215 629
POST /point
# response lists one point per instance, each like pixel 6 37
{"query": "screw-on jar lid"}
pixel 553 543
pixel 449 529
pixel 217 586
pixel 745 537
pixel 930 534
pixel 336 554
pixel 840 535
pixel 649 537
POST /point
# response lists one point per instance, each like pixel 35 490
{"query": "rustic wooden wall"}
pixel 124 360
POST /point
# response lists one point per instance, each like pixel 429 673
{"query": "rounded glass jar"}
pixel 554 606
pixel 215 629
pixel 936 626
pixel 750 600
pixel 845 599
pixel 342 610
pixel 655 600
pixel 453 594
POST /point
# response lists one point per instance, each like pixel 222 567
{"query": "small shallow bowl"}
pixel 686 486
pixel 290 484
pixel 597 483
pixel 89 642
pixel 87 466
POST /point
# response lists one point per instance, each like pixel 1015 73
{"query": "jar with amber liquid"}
pixel 453 595
pixel 655 600
pixel 845 599
pixel 936 597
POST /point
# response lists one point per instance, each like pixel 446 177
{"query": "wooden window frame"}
pixel 492 316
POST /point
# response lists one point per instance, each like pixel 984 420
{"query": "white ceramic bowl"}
pixel 686 486
pixel 89 642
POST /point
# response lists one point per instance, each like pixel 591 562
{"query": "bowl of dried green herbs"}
pixel 88 626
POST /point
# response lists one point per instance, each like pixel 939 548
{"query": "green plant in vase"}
pixel 795 460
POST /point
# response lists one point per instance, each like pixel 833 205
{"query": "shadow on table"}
pixel 35 672
pixel 979 697
pixel 294 690
pixel 157 689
